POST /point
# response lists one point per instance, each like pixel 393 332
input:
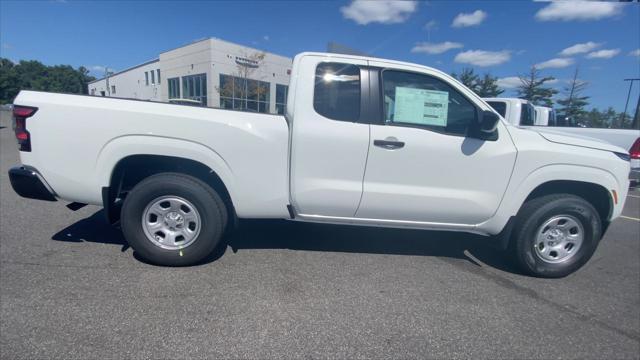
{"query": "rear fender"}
pixel 122 147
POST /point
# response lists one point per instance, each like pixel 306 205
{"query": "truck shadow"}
pixel 282 234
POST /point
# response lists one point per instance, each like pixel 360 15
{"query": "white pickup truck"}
pixel 364 141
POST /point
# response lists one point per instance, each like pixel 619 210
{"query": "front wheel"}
pixel 555 235
pixel 173 219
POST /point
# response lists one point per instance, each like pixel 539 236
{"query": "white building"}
pixel 210 72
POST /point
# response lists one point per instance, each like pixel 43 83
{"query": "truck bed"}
pixel 77 141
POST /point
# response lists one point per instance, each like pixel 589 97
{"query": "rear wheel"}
pixel 555 235
pixel 173 219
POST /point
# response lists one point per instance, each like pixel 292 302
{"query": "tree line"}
pixel 571 106
pixel 34 75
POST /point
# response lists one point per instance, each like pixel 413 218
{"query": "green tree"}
pixel 608 118
pixel 572 105
pixel 33 75
pixel 9 82
pixel 468 78
pixel 533 89
pixel 488 86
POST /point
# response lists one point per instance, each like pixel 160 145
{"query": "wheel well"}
pixel 132 169
pixel 595 194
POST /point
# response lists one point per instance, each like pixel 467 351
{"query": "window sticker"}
pixel 420 106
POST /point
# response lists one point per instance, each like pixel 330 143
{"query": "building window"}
pixel 244 94
pixel 153 77
pixel 146 78
pixel 113 89
pixel 174 88
pixel 158 76
pixel 281 98
pixel 194 87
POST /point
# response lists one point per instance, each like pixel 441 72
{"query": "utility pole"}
pixel 106 76
pixel 626 105
pixel 635 124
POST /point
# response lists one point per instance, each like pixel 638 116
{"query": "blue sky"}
pixel 501 37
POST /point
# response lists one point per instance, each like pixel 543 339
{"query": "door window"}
pixel 421 100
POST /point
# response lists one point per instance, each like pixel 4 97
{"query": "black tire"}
pixel 206 201
pixel 534 214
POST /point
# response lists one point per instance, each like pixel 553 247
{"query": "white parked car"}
pixel 364 141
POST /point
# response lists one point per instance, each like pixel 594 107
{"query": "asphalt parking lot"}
pixel 70 287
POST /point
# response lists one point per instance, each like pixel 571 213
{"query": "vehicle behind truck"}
pixel 364 141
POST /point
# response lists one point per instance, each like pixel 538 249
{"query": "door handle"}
pixel 389 143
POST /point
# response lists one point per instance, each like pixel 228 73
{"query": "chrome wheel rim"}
pixel 171 222
pixel 559 239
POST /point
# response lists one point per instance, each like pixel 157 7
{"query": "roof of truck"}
pixel 518 100
pixel 370 58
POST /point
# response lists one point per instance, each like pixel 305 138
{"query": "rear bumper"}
pixel 28 183
pixel 634 175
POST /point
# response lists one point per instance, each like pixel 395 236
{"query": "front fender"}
pixel 517 193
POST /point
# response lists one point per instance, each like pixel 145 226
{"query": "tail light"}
pixel 20 115
pixel 634 152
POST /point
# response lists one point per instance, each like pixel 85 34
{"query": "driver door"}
pixel 423 164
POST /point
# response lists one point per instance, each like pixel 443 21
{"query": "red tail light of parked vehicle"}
pixel 20 115
pixel 635 149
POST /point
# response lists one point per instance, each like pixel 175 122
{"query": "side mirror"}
pixel 488 122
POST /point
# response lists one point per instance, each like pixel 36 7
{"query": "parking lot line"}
pixel 634 196
pixel 629 217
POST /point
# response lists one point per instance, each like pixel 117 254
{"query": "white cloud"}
pixel 471 19
pixel 579 48
pixel 635 52
pixel 431 25
pixel 265 37
pixel 483 58
pixel 435 48
pixel 578 10
pixel 6 46
pixel 364 12
pixel 509 82
pixel 555 63
pixel 603 54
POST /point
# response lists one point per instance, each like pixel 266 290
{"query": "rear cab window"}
pixel 527 114
pixel 337 91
